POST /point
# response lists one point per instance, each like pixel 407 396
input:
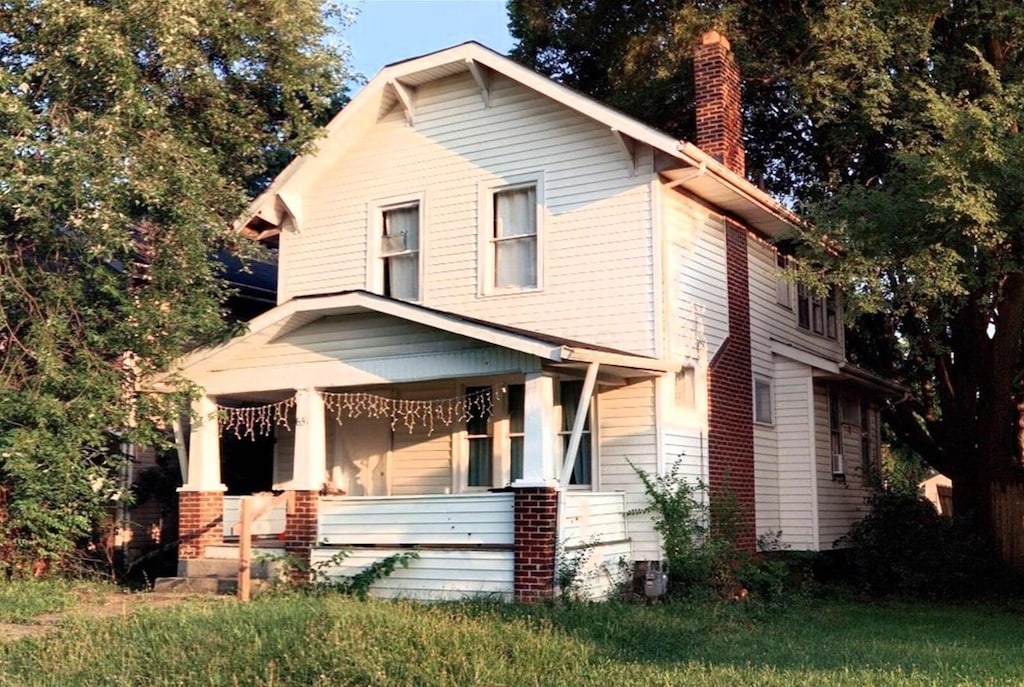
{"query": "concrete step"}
pixel 230 551
pixel 204 585
pixel 228 568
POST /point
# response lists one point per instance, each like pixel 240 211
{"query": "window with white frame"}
pixel 494 442
pixel 817 314
pixel 835 429
pixel 763 401
pixel 513 259
pixel 783 292
pixel 480 443
pixel 568 402
pixel 400 252
pixel 516 404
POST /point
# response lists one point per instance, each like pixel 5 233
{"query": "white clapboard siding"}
pixel 595 233
pixel 484 519
pixel 593 532
pixel 627 433
pixel 436 575
pixel 774 321
pixel 698 302
pixel 841 503
pixel 796 456
pixel 271 522
pixel 421 461
pixel 592 518
pixel 354 349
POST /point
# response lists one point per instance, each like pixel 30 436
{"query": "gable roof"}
pixel 395 84
pixel 298 312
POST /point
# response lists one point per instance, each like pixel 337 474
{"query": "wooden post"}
pixel 245 552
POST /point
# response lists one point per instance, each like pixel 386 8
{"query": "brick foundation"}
pixel 200 522
pixel 300 528
pixel 536 532
pixel 731 411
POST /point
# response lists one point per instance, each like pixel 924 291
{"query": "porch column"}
pixel 536 495
pixel 310 464
pixel 539 432
pixel 201 498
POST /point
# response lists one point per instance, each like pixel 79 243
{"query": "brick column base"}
pixel 536 532
pixel 300 531
pixel 200 522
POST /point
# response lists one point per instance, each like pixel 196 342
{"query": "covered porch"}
pixel 400 427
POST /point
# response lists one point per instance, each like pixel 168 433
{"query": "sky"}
pixel 387 31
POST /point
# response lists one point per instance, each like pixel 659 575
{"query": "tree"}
pixel 894 126
pixel 131 132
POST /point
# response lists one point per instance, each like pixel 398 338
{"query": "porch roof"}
pixel 277 323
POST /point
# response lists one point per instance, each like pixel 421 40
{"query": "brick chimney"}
pixel 717 89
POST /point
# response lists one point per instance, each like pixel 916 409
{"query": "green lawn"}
pixel 337 641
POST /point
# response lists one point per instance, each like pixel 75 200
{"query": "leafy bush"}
pixel 904 547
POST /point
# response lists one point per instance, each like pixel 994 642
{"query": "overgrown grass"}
pixel 23 600
pixel 338 641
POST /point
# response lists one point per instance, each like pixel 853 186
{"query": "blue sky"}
pixel 390 30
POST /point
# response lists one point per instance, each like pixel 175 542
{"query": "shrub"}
pixel 904 547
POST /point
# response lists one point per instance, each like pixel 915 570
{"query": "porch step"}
pixel 230 552
pixel 228 568
pixel 204 585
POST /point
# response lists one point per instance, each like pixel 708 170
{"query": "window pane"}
pixel 477 423
pixel 569 395
pixel 404 222
pixel 516 408
pixel 480 462
pixel 581 467
pixel 515 262
pixel 762 401
pixel 516 455
pixel 402 276
pixel 803 307
pixel 515 212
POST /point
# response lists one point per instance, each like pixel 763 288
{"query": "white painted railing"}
pixel 272 522
pixel 482 519
pixel 469 540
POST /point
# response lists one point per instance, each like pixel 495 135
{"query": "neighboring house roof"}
pixel 299 312
pixel 395 84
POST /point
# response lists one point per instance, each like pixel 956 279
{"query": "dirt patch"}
pixel 94 606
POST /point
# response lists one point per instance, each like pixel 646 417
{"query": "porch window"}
pixel 569 397
pixel 516 417
pixel 480 440
pixel 514 237
pixel 400 252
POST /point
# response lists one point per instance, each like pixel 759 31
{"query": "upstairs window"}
pixel 400 252
pixel 763 401
pixel 820 315
pixel 783 292
pixel 514 238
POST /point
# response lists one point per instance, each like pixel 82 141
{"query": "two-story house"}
pixel 496 296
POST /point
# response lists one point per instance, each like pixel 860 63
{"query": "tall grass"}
pixel 23 600
pixel 337 641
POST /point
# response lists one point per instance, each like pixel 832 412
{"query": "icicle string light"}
pixel 250 422
pixel 411 413
pixel 253 421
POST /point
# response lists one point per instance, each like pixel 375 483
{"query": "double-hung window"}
pixel 516 429
pixel 480 438
pixel 568 399
pixel 514 237
pixel 763 401
pixel 400 252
